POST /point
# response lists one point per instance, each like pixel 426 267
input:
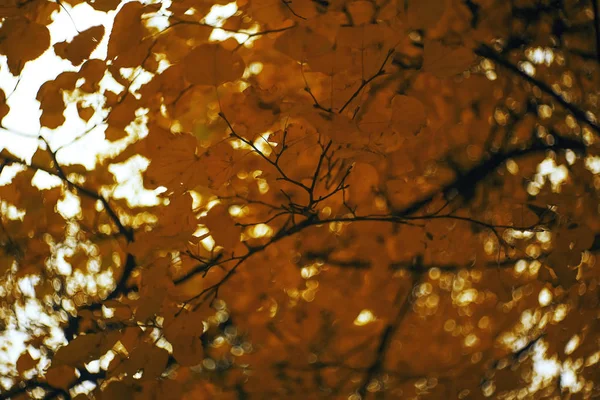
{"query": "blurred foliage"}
pixel 352 199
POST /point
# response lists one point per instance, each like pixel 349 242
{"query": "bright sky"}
pixel 23 129
pixel 20 130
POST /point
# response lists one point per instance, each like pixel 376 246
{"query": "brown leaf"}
pixel 408 115
pixel 425 14
pixel 26 362
pixel 105 5
pixel 222 227
pixel 50 96
pixel 211 64
pixel 82 45
pixel 84 348
pixel 61 376
pixel 445 61
pixel 4 108
pixel 127 30
pixel 21 41
pixel 302 43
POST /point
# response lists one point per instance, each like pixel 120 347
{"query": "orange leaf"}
pixel 425 13
pixel 301 43
pixel 211 64
pixel 174 162
pixel 222 227
pixel 408 115
pixel 446 61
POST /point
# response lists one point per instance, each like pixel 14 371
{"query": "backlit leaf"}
pixel 211 64
pixel 22 41
pixel 80 48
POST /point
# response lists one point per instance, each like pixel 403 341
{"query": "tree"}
pixel 350 199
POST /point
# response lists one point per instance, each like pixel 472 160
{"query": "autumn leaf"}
pixel 4 108
pixel 222 227
pixel 105 5
pixel 26 362
pixel 61 376
pixel 80 48
pixel 302 44
pixel 445 61
pixel 425 13
pixel 127 30
pixel 177 165
pixel 50 96
pixel 152 360
pixel 408 115
pixel 84 348
pixel 211 64
pixel 85 112
pixel 184 333
pixel 22 41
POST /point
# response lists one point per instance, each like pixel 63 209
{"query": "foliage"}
pixel 350 199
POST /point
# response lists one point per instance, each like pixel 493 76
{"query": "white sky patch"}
pixel 219 13
pixel 547 170
pixel 19 134
pixel 217 16
pixel 69 206
pixel 129 178
pixel 540 55
pixel 47 67
pixel 545 369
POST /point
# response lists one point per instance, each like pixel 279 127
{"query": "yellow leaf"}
pixel 105 5
pixel 177 219
pixel 362 12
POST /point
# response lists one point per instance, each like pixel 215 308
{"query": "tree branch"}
pixel 385 340
pixel 582 116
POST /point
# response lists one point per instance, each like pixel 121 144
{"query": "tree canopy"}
pixel 301 199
